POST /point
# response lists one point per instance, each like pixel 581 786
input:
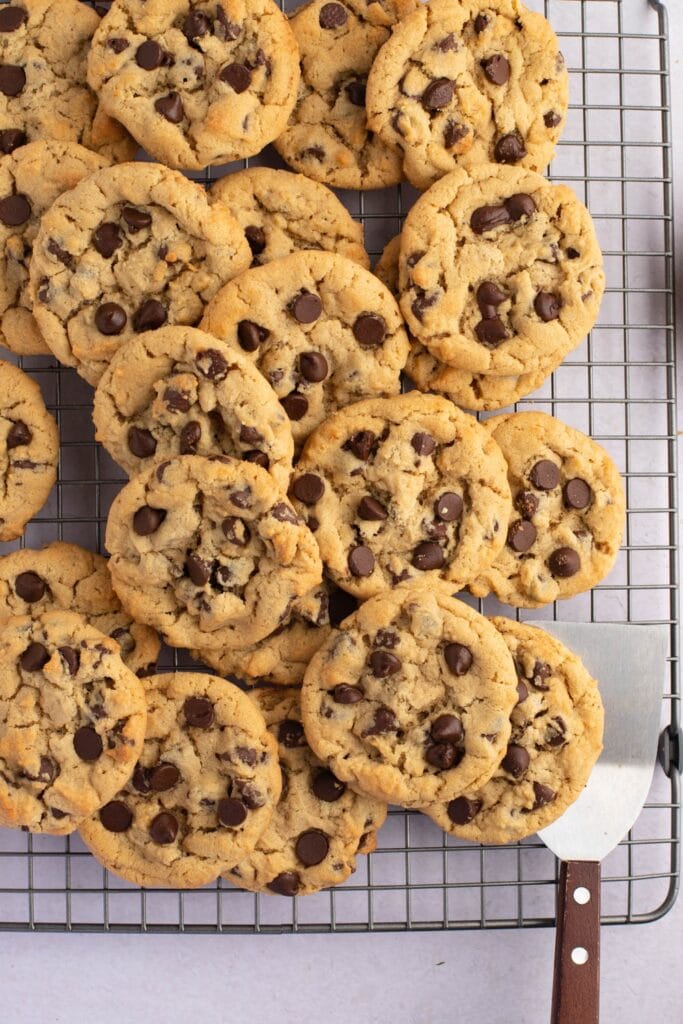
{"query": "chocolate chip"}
pixel 237 76
pixel 11 18
pixel 438 94
pixel 250 335
pixel 427 555
pixel 306 307
pixel 547 306
pixel 247 755
pixel 516 761
pixel 198 712
pixel 312 847
pixel 250 435
pixel 313 152
pixel 446 729
pixel 327 787
pixel 170 107
pixel 509 149
pixel 141 443
pixel 423 444
pixel 140 779
pixel 163 828
pixel 224 28
pixel 556 733
pixel 196 25
pixel 572 254
pixel 577 493
pixel 384 720
pixel 384 664
pixel 422 303
pixel 332 16
pixel 107 239
pixel 149 316
pixel 371 510
pixel 11 139
pixel 355 90
pixel 287 883
pixel 361 444
pixel 370 330
pixel 520 205
pixel 522 691
pixel 496 68
pixel 147 520
pixel 343 693
pixel 453 133
pixel 291 734
pixel 231 812
pixel 308 488
pixel 251 796
pixel 236 531
pixel 30 587
pixel 441 755
pixel 448 507
pixel 71 658
pixel 461 810
pixel 136 219
pixel 541 671
pixel 256 237
pixel 198 570
pixel 489 296
pixel 313 366
pixel 34 658
pixel 480 23
pixel 526 504
pixel 15 210
pixel 295 405
pixel 545 475
pixel 361 561
pixel 543 795
pixel 116 817
pixel 491 332
pixel 117 44
pixel 163 776
pixel 149 55
pixel 18 435
pixel 486 218
pixel 88 743
pixel 212 364
pixel 284 513
pixel 340 606
pixel 551 119
pixel 564 562
pixel 458 658
pixel 521 535
pixel 110 318
pixel 190 437
pixel 12 79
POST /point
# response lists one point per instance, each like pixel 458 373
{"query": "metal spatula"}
pixel 629 663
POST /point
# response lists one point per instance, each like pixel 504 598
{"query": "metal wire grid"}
pixel 620 388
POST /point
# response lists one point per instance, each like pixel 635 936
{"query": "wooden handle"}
pixel 576 981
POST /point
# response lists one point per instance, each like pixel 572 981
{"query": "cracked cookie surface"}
pixel 410 700
pixel 569 502
pixel 322 330
pixel 556 739
pixel 72 721
pixel 128 250
pixel 29 450
pixel 403 488
pixel 209 551
pixel 500 271
pixel 66 577
pixel 202 792
pixel 319 824
pixel 179 391
pixel 196 82
pixel 469 82
pixel 31 178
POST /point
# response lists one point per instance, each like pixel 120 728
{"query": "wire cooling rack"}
pixel 620 388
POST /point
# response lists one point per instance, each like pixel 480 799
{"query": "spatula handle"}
pixel 576 981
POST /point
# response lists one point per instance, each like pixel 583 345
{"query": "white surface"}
pixel 492 977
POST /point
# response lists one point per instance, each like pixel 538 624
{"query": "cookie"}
pixel 208 551
pixel 178 391
pixel 66 577
pixel 469 82
pixel 72 721
pixel 322 330
pixel 565 532
pixel 203 790
pixel 403 488
pixel 500 271
pixel 318 826
pixel 196 83
pixel 410 700
pixel 281 212
pixel 29 450
pixel 327 137
pixel 43 93
pixel 282 657
pixel 555 741
pixel 31 178
pixel 128 250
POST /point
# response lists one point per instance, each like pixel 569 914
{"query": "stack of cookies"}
pixel 291 518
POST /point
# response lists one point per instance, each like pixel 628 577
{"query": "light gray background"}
pixel 492 977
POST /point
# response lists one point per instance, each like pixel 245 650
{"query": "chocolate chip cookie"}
pixel 72 721
pixel 322 330
pixel 319 825
pixel 281 212
pixel 178 391
pixel 565 532
pixel 327 137
pixel 209 551
pixel 128 250
pixel 196 82
pixel 43 93
pixel 555 741
pixel 469 81
pixel 29 450
pixel 410 700
pixel 66 577
pixel 403 488
pixel 202 792
pixel 500 271
pixel 31 178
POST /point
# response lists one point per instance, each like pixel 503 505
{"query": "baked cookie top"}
pixel 129 249
pixel 209 551
pixel 31 178
pixel 322 330
pixel 500 271
pixel 281 212
pixel 29 450
pixel 473 81
pixel 179 391
pixel 72 721
pixel 410 700
pixel 565 532
pixel 555 741
pixel 403 488
pixel 327 137
pixel 202 792
pixel 43 93
pixel 196 82
pixel 319 825
pixel 66 577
